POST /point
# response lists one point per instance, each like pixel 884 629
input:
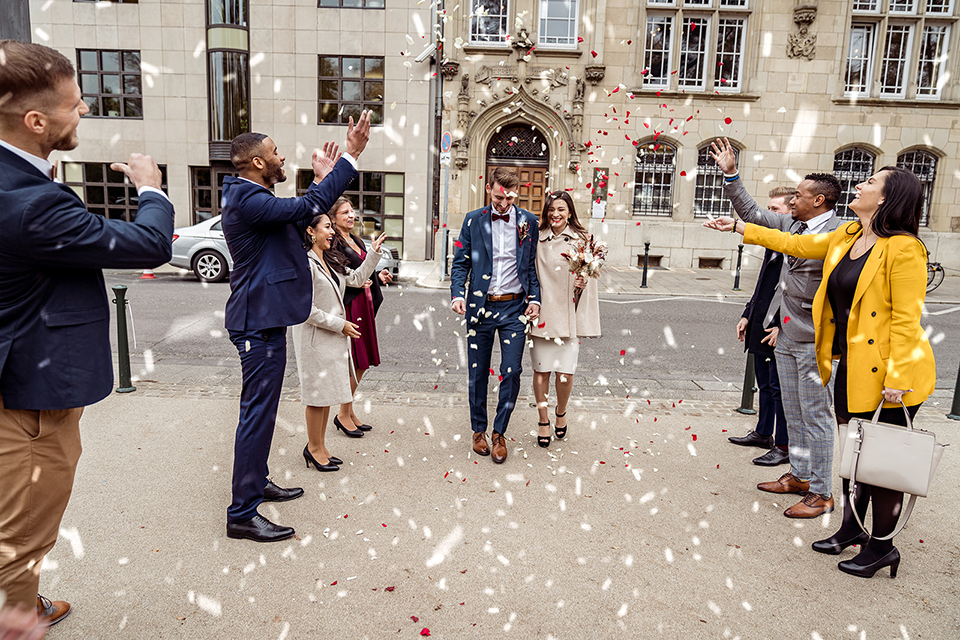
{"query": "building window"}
pixel 924 166
pixel 701 42
pixel 110 82
pixel 352 4
pixel 229 95
pixel 348 85
pixel 206 185
pixel 377 198
pixel 851 167
pixel 708 197
pixel 105 192
pixel 653 188
pixel 231 12
pixel 488 21
pixel 558 23
pixel 884 33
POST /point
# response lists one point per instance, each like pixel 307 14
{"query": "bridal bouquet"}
pixel 586 260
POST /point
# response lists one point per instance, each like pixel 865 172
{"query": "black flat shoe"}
pixel 543 441
pixel 273 493
pixel 335 460
pixel 364 427
pixel 258 529
pixel 833 547
pixel 356 433
pixel 560 431
pixel 308 457
pixel 892 560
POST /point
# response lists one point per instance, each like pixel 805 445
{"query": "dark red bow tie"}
pixel 501 216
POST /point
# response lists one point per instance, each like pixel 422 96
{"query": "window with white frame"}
pixel 708 196
pixel 558 23
pixel 488 21
pixel 898 49
pixel 851 167
pixel 694 45
pixel 656 164
pixel 924 166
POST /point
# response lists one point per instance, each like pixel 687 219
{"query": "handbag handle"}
pixel 876 414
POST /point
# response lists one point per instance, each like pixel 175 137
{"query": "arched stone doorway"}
pixel 524 149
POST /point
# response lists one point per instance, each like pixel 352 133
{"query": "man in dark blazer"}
pixel 54 315
pixel 758 329
pixel 497 250
pixel 270 289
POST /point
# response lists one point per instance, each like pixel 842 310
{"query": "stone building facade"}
pixel 616 100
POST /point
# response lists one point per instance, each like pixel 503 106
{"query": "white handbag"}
pixel 889 456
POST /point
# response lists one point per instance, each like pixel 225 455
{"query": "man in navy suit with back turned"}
pixel 54 316
pixel 497 249
pixel 270 289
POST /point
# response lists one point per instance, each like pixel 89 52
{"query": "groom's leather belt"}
pixel 504 297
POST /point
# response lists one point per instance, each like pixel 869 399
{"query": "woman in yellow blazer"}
pixel 867 313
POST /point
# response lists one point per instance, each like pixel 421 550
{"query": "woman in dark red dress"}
pixel 361 305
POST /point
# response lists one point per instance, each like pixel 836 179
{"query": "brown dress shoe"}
pixel 788 483
pixel 499 447
pixel 480 445
pixel 50 612
pixel 812 505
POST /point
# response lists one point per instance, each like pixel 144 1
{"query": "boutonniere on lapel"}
pixel 523 227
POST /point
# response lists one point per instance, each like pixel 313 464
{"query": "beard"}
pixel 63 140
pixel 276 176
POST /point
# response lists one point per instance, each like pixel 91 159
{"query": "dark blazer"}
pixel 54 314
pixel 270 283
pixel 474 258
pixel 758 312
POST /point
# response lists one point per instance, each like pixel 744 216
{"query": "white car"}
pixel 203 250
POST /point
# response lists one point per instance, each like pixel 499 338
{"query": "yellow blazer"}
pixel 886 345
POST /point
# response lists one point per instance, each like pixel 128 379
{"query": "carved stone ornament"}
pixel 488 75
pixel 521 40
pixel 595 73
pixel 803 44
pixel 450 70
pixel 463 147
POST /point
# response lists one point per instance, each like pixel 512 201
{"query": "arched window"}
pixel 851 167
pixel 708 198
pixel 924 166
pixel 653 190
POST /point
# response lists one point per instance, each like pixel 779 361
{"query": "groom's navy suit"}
pixel 270 289
pixel 475 259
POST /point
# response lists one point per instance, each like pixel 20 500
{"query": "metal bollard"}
pixel 646 261
pixel 749 388
pixel 955 409
pixel 736 280
pixel 123 345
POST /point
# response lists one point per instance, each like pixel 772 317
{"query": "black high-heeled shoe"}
pixel 543 441
pixel 833 547
pixel 309 459
pixel 364 427
pixel 335 460
pixel 356 433
pixel 560 431
pixel 891 559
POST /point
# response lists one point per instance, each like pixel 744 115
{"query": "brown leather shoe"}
pixel 788 483
pixel 812 505
pixel 480 445
pixel 50 612
pixel 499 447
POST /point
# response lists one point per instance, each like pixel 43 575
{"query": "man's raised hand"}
pixel 722 153
pixel 357 136
pixel 141 170
pixel 324 161
pixel 721 224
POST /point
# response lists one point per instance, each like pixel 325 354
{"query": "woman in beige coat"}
pixel 322 343
pixel 555 337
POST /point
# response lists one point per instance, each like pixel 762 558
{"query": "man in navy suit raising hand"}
pixel 497 250
pixel 270 289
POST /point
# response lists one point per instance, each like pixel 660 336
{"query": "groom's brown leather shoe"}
pixel 812 505
pixel 480 445
pixel 787 483
pixel 499 447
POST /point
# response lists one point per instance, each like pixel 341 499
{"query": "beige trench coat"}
pixel 322 351
pixel 557 313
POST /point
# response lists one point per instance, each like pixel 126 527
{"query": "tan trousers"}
pixel 39 451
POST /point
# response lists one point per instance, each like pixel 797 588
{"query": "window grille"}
pixel 653 188
pixel 708 197
pixel 851 167
pixel 924 166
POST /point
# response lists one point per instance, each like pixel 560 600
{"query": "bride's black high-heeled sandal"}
pixel 543 441
pixel 560 431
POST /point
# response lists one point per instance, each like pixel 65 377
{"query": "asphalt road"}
pixel 180 320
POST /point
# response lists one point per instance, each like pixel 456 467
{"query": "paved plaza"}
pixel 643 523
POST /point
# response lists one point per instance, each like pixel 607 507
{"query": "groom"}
pixel 497 249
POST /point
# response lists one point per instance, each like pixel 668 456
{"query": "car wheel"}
pixel 209 266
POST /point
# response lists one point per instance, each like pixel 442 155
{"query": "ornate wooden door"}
pixel 526 151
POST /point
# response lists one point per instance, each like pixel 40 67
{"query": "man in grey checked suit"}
pixel 806 402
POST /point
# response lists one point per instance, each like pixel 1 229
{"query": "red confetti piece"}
pixel 593 53
pixel 500 378
pixel 694 436
pixel 415 618
pixel 579 39
pixel 389 588
pixel 718 466
pixel 723 430
pixel 727 120
pixel 425 632
pixel 683 174
pixel 384 525
pixel 435 387
pixel 541 325
pixel 345 516
pixel 333 583
pixel 623 352
pixel 786 319
pixel 491 371
pixel 921 542
pixel 458 244
pixel 629 41
pixel 602 462
pixel 446 474
pixel 686 428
